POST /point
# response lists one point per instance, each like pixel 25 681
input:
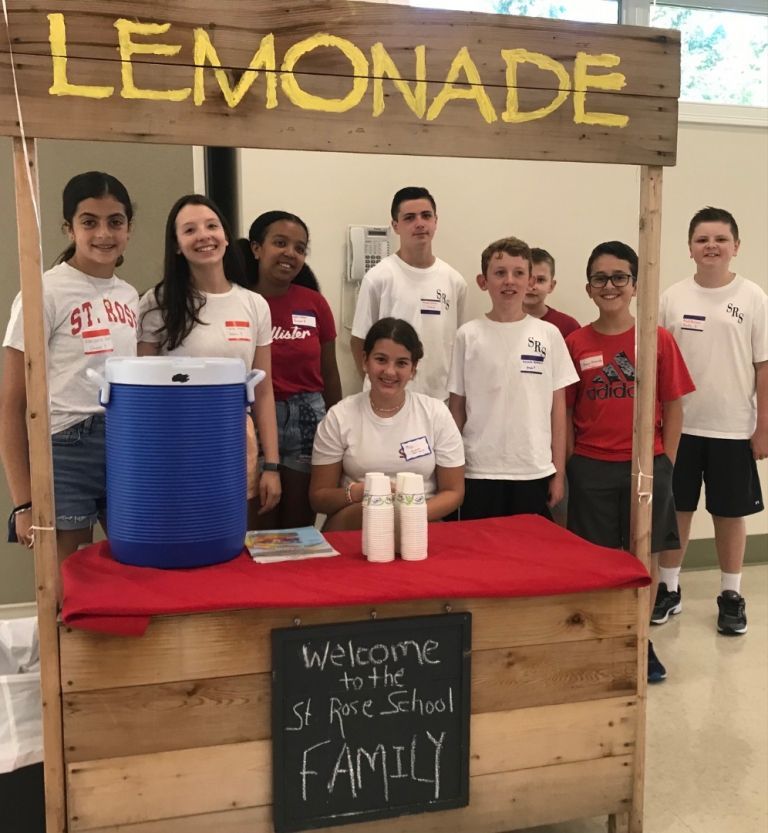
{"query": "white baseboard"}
pixel 18 611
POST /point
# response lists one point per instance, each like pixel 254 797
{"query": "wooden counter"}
pixel 170 732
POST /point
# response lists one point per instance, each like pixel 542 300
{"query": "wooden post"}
pixel 649 252
pixel 43 518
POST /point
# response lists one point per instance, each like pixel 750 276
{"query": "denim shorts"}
pixel 79 474
pixel 297 420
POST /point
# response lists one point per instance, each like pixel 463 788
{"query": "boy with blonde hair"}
pixel 507 395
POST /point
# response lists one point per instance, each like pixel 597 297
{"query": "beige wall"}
pixel 155 176
pixel 566 208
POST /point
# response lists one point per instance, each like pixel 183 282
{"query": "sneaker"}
pixel 732 619
pixel 656 671
pixel 668 602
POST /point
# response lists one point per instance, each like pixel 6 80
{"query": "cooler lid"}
pixel 174 371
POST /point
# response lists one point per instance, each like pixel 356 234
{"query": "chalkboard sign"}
pixel 370 720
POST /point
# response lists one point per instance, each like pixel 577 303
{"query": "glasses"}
pixel 618 279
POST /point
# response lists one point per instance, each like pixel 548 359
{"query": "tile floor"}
pixel 707 761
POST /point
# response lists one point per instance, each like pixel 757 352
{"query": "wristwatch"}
pixel 270 467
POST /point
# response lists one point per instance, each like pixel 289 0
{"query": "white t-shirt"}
pixel 86 321
pixel 234 324
pixel 432 300
pixel 721 333
pixel 417 438
pixel 508 373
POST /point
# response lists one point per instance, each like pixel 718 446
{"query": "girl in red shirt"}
pixel 305 375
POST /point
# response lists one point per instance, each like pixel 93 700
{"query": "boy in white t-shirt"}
pixel 415 286
pixel 720 322
pixel 507 395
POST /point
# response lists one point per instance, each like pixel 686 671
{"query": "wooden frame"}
pixel 360 77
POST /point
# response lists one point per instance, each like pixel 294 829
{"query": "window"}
pixel 724 55
pixel 589 11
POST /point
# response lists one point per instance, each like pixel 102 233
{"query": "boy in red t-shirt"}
pixel 600 406
pixel 535 305
pixel 544 283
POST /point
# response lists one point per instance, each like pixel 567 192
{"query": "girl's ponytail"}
pixel 250 263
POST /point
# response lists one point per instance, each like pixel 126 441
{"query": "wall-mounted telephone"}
pixel 366 246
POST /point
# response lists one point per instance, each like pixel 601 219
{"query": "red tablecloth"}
pixel 523 555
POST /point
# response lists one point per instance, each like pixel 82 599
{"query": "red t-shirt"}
pixel 602 399
pixel 302 321
pixel 565 323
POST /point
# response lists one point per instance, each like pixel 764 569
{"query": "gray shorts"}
pixel 79 474
pixel 599 501
pixel 297 421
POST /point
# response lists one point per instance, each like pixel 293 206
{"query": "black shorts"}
pixel 600 498
pixel 498 498
pixel 729 473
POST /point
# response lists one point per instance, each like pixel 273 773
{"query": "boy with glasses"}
pixel 600 407
pixel 720 320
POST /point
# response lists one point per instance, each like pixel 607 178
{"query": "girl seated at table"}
pixel 202 308
pixel 387 429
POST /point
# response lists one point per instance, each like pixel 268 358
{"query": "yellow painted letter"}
pixel 384 66
pixel 126 28
pixel 306 100
pixel 513 57
pixel 58 39
pixel 263 59
pixel 609 81
pixel 463 63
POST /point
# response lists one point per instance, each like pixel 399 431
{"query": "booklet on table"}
pixel 268 546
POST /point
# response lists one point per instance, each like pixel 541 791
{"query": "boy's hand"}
pixel 556 489
pixel 759 443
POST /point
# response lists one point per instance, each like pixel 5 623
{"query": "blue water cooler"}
pixel 176 459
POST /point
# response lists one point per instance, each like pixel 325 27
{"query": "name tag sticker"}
pixel 591 362
pixel 413 449
pixel 97 341
pixel 304 319
pixel 430 306
pixel 694 323
pixel 238 330
pixel 532 364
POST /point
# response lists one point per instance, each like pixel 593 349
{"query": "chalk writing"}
pixel 369 718
pixel 360 655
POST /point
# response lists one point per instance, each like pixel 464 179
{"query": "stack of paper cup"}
pixel 378 518
pixel 366 483
pixel 411 516
pixel 399 482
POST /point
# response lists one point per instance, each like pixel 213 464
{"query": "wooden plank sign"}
pixel 341 76
pixel 370 720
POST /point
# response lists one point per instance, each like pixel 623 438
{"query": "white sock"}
pixel 671 577
pixel 730 581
